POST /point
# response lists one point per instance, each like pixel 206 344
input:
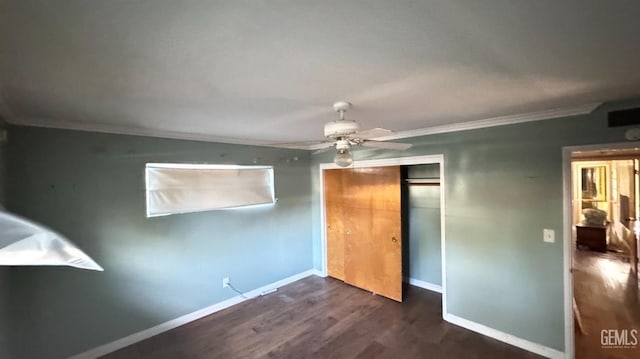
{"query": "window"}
pixel 173 188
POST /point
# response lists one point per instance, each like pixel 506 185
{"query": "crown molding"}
pixel 488 122
pixel 135 131
pixel 496 121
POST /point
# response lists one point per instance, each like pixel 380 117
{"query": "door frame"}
pixel 567 243
pixel 397 161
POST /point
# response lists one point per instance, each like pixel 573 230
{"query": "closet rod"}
pixel 422 181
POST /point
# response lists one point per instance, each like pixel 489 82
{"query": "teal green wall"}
pixel 5 323
pixel 5 326
pixel 423 259
pixel 90 187
pixel 503 185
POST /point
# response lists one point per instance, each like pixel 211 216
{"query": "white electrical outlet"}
pixel 225 282
pixel 548 235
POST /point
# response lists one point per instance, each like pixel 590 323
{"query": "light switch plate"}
pixel 548 235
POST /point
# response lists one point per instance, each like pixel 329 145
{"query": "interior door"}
pixel 370 224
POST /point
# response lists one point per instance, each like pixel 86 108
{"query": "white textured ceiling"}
pixel 270 70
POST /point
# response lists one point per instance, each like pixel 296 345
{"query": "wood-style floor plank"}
pixel 324 318
pixel 608 298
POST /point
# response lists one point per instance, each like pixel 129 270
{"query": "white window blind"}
pixel 181 188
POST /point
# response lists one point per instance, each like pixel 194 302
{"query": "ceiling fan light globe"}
pixel 343 159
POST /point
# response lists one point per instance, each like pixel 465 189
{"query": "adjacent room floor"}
pixel 608 298
pixel 325 318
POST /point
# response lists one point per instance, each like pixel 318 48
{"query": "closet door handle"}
pixel 394 239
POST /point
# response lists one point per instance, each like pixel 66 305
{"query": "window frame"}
pixel 195 166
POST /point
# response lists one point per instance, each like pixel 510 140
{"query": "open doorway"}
pixel 605 205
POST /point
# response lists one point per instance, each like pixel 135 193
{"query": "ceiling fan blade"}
pixel 322 147
pixel 322 150
pixel 387 145
pixel 372 133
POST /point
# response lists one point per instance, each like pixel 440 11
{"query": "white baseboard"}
pixel 423 284
pixel 318 273
pixel 174 323
pixel 504 337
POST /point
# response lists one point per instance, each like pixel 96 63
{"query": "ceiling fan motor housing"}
pixel 343 145
pixel 336 129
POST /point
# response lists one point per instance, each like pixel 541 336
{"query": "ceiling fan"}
pixel 343 135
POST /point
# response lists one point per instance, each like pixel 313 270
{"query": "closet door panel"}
pixel 372 226
pixel 334 218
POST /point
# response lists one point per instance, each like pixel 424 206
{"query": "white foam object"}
pixel 25 243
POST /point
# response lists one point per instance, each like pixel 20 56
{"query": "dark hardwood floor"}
pixel 608 298
pixel 324 318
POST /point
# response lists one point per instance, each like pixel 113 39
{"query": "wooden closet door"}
pixel 370 221
pixel 333 188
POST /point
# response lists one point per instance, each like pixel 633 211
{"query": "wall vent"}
pixel 628 117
